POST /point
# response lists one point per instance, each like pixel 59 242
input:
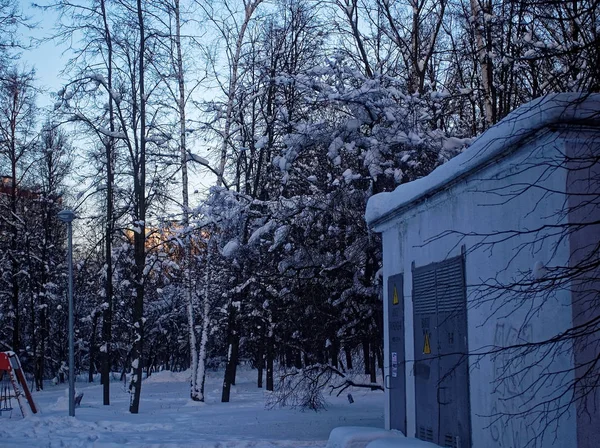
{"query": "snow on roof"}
pixel 523 122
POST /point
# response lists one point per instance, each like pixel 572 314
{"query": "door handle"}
pixel 387 382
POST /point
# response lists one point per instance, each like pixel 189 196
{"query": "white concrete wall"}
pixel 463 208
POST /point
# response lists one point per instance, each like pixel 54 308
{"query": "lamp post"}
pixel 68 216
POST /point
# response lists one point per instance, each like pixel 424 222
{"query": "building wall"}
pixel 583 182
pixel 497 198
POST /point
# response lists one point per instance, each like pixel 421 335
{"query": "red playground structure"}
pixel 12 373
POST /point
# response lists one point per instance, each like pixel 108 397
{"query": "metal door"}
pixel 426 361
pixel 455 427
pixel 443 411
pixel 397 373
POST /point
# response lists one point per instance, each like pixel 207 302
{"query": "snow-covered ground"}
pixel 168 418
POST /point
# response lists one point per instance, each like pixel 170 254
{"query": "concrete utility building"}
pixel 492 277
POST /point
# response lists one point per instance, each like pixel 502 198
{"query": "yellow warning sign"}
pixel 426 346
pixel 395 300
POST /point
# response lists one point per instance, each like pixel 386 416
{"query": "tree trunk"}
pixel 270 364
pixel 298 359
pixel 235 357
pixel 32 305
pixel 201 370
pixel 351 10
pixel 348 353
pixel 260 364
pixel 366 356
pixel 289 356
pixel 105 349
pixel 93 348
pixel 139 183
pixel 485 62
pixel 335 351
pixel 231 354
pixel 14 245
pixel 372 365
pixel 150 366
pixel 194 390
pixel 43 314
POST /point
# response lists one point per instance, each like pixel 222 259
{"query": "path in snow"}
pixel 169 419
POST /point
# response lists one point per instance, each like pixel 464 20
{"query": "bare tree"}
pixel 11 19
pixel 234 33
pixel 180 95
pixel 109 146
pixel 305 388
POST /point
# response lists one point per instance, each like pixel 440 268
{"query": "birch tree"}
pixel 179 95
pixel 233 31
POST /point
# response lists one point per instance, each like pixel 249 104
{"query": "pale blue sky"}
pixel 47 58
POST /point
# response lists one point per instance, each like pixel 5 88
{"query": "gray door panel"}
pixel 441 376
pixel 426 362
pixel 455 430
pixel 397 373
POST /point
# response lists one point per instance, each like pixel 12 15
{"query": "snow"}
pixel 407 442
pixel 452 143
pixel 368 437
pixel 439 95
pixel 358 436
pixel 261 231
pixel 98 77
pixel 279 237
pixel 349 176
pixel 157 139
pixel 168 418
pixel 352 124
pixel 115 95
pixel 196 158
pixel 498 140
pixel 230 248
pixel 334 147
pixel 261 142
pixel 108 133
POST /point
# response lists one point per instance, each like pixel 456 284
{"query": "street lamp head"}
pixel 66 216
